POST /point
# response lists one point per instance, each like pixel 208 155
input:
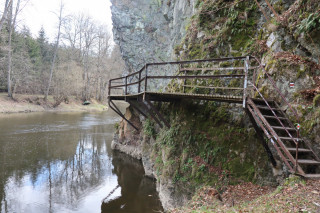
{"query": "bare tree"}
pixel 11 26
pixel 88 38
pixel 104 44
pixel 55 50
pixel 72 35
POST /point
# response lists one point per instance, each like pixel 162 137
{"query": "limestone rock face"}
pixel 148 30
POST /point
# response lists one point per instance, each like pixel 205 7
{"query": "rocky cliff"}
pixel 285 36
pixel 148 30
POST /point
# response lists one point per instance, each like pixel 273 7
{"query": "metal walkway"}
pixel 231 80
pixel 169 97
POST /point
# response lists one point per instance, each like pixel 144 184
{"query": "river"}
pixel 63 162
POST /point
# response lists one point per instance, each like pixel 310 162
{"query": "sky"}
pixel 39 13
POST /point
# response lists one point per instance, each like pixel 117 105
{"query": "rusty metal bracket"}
pixel 158 113
pixel 114 107
pixel 151 113
pixel 135 105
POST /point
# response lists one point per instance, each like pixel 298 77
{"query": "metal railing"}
pixel 138 82
pixel 284 102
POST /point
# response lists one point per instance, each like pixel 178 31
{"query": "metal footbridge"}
pixel 231 80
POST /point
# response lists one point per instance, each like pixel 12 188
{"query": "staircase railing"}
pixel 284 101
pixel 270 79
pixel 277 139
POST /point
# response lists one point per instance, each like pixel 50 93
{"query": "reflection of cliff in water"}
pixel 138 194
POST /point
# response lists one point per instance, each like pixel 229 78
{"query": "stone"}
pixel 274 42
pixel 200 34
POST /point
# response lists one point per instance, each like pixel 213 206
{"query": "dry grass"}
pixel 295 195
pixel 35 103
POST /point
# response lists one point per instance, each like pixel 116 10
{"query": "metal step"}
pixel 255 100
pixel 291 139
pixel 281 128
pixel 312 175
pixel 267 108
pixel 299 150
pixel 306 161
pixel 274 117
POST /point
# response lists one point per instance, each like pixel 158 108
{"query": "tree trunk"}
pixel 55 53
pixel 9 63
pixel 10 28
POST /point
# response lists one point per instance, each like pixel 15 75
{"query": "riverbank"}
pixel 35 103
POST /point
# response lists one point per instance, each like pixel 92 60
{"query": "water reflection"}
pixel 60 162
pixel 135 190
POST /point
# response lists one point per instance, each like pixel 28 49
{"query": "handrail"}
pixel 288 104
pixel 277 89
pixel 199 61
pixel 140 77
pixel 273 112
pixel 285 128
pixel 181 62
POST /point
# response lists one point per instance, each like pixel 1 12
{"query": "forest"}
pixel 79 62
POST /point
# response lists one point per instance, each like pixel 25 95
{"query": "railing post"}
pixel 139 86
pixel 296 162
pixel 126 89
pixel 184 82
pixel 246 70
pixel 146 79
pixel 109 87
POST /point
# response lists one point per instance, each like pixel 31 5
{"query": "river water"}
pixel 63 162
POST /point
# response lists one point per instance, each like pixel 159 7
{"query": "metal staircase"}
pixel 197 80
pixel 294 151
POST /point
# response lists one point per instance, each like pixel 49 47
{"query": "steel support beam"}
pixel 114 107
pixel 152 107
